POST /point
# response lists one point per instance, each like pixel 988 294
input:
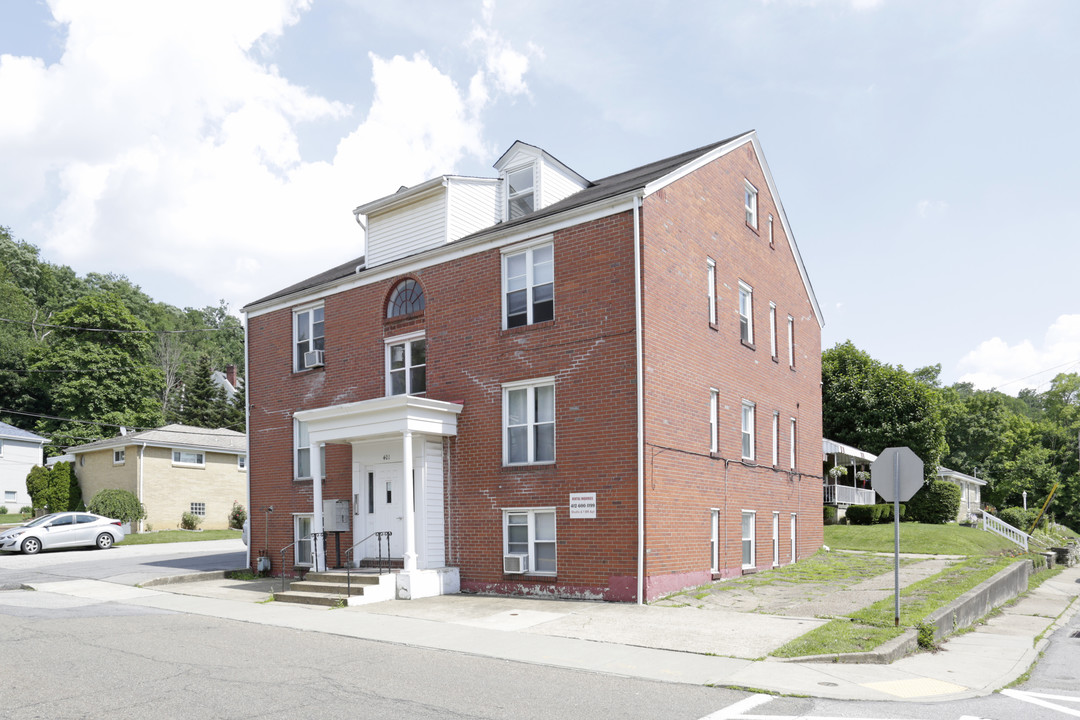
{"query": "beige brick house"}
pixel 172 470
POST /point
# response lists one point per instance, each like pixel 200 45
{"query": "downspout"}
pixel 247 438
pixel 139 483
pixel 640 405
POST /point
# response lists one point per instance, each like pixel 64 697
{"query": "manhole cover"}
pixel 829 684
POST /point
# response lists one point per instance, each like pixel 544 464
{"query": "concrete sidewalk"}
pixel 656 643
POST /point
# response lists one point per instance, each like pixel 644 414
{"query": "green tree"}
pixel 55 488
pixel 205 402
pixel 872 406
pixel 117 504
pixel 99 372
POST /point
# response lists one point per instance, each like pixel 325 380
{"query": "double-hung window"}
pixel 520 195
pixel 772 330
pixel 791 341
pixel 746 313
pixel 188 457
pixel 406 365
pixel 750 195
pixel 529 422
pixel 775 439
pixel 749 552
pixel 747 430
pixel 118 457
pixel 529 285
pixel 775 538
pixel 714 540
pixel 794 443
pixel 714 408
pixel 308 334
pixel 302 452
pixel 710 278
pixel 531 531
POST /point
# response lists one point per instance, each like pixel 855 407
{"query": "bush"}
pixel 190 521
pixel 3 509
pixel 237 516
pixel 830 515
pixel 117 504
pixel 1018 517
pixel 26 510
pixel 872 514
pixel 55 488
pixel 936 503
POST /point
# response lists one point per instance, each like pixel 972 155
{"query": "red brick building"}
pixel 603 389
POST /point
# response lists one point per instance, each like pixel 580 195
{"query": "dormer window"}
pixel 519 193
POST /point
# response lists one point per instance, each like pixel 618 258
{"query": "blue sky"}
pixel 925 152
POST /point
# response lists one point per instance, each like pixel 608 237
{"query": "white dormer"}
pixel 530 179
pixel 427 215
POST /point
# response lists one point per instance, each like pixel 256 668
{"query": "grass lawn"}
pixel 172 536
pixel 951 539
pixel 13 519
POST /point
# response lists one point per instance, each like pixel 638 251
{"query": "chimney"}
pixel 230 374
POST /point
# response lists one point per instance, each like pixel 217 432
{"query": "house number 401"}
pixel 386 456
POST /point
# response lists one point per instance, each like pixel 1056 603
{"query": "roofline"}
pixel 946 472
pixel 499 163
pixel 416 192
pixel 37 439
pixel 125 442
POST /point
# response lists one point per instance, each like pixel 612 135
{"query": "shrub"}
pixel 55 488
pixel 3 509
pixel 936 503
pixel 1018 517
pixel 119 504
pixel 26 510
pixel 872 514
pixel 237 516
pixel 830 515
pixel 190 521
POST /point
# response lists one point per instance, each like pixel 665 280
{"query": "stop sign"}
pixel 896 462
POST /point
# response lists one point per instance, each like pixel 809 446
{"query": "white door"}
pixel 384 482
pixel 302 550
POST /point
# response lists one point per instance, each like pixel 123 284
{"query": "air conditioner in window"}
pixel 515 564
pixel 313 358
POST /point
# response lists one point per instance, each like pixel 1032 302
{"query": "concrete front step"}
pixel 332 589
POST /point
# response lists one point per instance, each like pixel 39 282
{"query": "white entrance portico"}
pixel 397 480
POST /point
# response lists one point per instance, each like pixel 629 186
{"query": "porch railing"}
pixel 378 535
pixel 314 553
pixel 1005 530
pixel 847 495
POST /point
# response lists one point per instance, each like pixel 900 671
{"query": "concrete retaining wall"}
pixel 973 605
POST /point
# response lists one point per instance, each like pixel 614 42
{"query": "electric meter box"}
pixel 335 515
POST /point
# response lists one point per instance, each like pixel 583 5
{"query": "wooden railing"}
pixel 1005 530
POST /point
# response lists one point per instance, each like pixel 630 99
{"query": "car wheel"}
pixel 104 541
pixel 31 546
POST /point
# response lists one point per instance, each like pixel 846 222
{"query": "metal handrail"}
pixel 314 553
pixel 378 534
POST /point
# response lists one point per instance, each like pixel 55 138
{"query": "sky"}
pixel 925 152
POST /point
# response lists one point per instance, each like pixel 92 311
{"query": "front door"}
pixel 384 484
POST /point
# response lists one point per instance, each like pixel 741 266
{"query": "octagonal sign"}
pixel 884 471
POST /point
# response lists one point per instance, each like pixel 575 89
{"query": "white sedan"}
pixel 62 530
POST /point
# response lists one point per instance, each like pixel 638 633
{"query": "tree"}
pixel 54 488
pixel 205 402
pixel 872 406
pixel 117 504
pixel 98 371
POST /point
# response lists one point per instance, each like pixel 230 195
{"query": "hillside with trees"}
pixel 81 357
pixel 1016 444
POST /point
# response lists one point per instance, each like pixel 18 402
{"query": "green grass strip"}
pixel 172 536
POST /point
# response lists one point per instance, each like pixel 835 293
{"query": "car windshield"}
pixel 40 520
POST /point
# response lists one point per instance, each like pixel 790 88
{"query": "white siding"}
pixel 407 230
pixel 472 206
pixel 555 184
pixel 434 538
pixel 17 457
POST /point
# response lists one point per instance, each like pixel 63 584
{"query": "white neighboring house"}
pixel 20 450
pixel 970 491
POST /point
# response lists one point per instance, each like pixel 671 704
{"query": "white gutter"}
pixel 640 405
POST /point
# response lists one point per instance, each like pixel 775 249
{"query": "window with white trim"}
pixel 714 540
pixel 714 409
pixel 307 335
pixel 520 195
pixel 710 279
pixel 531 531
pixel 302 452
pixel 407 297
pixel 529 422
pixel 118 456
pixel 746 313
pixel 794 438
pixel 241 462
pixel 9 496
pixel 770 231
pixel 772 330
pixel 406 365
pixel 190 458
pixel 529 286
pixel 747 430
pixel 198 508
pixel 791 341
pixel 750 195
pixel 775 439
pixel 749 552
pixel 794 545
pixel 775 538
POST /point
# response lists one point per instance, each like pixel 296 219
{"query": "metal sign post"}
pixel 896 475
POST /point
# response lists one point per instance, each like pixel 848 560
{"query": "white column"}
pixel 318 547
pixel 407 498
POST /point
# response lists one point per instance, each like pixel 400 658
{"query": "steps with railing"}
pixel 334 588
pixel 1000 527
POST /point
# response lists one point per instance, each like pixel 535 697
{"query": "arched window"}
pixel 407 297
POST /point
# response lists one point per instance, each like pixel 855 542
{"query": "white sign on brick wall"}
pixel 583 505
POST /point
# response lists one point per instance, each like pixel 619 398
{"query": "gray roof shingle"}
pixel 175 435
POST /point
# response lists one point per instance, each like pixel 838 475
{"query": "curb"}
pixel 190 577
pixel 885 654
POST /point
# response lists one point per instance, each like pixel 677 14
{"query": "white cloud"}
pixel 1011 368
pixel 157 156
pixel 931 208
